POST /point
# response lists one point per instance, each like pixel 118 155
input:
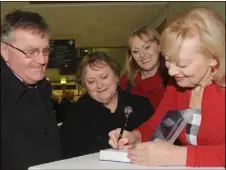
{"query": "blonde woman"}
pixel 145 71
pixel 194 47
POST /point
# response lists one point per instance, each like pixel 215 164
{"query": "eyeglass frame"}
pixel 27 53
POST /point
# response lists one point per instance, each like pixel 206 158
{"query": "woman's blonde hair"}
pixel 208 25
pixel 146 34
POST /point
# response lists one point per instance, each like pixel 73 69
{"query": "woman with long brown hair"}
pixel 145 71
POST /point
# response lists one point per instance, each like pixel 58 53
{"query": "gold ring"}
pixel 141 158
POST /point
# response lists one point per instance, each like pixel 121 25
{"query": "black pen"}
pixel 127 110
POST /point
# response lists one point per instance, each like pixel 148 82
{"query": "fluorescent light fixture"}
pixel 63 80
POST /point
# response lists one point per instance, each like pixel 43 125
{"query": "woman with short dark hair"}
pixel 103 108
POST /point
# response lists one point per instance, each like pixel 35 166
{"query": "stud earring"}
pixel 213 68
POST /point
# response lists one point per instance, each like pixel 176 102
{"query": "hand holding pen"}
pixel 129 139
pixel 127 110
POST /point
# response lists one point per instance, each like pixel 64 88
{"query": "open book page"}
pixel 114 155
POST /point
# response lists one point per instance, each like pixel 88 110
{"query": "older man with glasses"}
pixel 29 133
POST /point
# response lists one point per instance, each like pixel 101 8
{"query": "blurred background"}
pixel 78 28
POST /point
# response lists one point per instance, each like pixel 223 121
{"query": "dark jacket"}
pixel 62 110
pixel 29 134
pixel 85 129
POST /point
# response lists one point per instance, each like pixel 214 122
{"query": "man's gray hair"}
pixel 22 20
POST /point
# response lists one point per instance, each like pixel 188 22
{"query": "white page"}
pixel 114 155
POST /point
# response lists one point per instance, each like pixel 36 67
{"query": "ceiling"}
pixel 92 24
pixel 101 24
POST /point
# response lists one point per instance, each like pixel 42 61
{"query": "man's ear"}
pixel 4 52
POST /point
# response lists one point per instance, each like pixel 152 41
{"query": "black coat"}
pixel 62 110
pixel 85 129
pixel 29 134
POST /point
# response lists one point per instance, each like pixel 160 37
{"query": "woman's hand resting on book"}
pixel 158 153
pixel 128 140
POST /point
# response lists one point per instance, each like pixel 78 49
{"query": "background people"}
pixel 65 105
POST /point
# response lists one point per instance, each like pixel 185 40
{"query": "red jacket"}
pixel 210 150
pixel 151 88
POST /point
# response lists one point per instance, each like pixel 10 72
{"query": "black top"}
pixel 85 129
pixel 63 108
pixel 29 134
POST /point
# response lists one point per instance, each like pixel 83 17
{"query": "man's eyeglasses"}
pixel 31 53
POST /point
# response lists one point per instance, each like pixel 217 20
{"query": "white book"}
pixel 114 155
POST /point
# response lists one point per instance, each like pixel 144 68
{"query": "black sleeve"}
pixel 146 109
pixel 70 133
pixel 143 112
pixel 149 107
